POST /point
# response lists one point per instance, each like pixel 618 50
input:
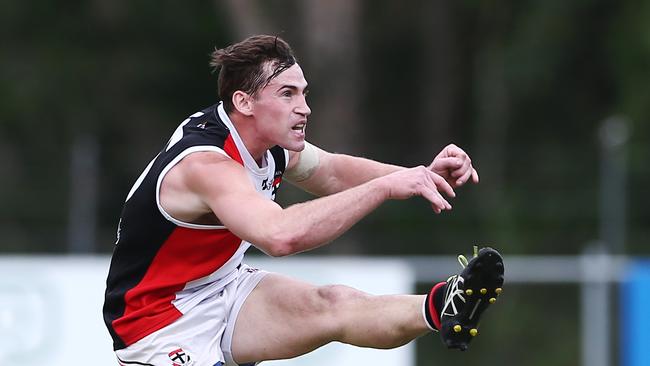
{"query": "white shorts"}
pixel 200 337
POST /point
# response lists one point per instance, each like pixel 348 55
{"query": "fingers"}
pixel 434 184
pixel 462 169
pixel 446 164
pixel 438 203
pixel 466 175
pixel 423 182
pixel 474 176
pixel 464 166
pixel 441 184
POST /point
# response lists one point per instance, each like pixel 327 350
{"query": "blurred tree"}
pixel 628 50
pixel 521 86
pixel 333 66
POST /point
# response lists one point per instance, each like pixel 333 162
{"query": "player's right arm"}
pixel 225 188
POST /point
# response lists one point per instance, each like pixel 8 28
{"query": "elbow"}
pixel 279 251
pixel 281 245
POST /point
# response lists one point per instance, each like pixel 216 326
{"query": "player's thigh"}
pixel 284 317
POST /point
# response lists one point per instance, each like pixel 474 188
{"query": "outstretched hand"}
pixel 453 164
pixel 419 181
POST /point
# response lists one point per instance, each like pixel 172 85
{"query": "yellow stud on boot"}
pixel 498 290
pixel 457 328
pixel 469 292
pixel 493 300
pixel 483 291
pixel 473 332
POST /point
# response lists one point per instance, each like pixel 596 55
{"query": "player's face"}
pixel 281 110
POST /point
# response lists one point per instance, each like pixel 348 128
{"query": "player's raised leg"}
pixel 284 318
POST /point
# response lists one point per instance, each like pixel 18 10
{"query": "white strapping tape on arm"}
pixel 307 163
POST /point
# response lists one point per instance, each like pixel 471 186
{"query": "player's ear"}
pixel 242 103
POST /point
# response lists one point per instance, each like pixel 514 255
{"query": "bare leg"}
pixel 285 318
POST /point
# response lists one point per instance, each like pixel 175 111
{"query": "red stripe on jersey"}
pixel 187 255
pixel 230 148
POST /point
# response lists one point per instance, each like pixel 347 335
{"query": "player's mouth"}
pixel 300 127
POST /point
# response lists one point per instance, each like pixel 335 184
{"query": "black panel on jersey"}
pixel 280 161
pixel 143 229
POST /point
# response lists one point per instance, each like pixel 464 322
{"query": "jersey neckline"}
pixel 246 156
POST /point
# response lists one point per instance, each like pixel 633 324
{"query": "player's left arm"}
pixel 323 173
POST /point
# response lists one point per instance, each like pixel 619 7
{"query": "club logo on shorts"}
pixel 180 358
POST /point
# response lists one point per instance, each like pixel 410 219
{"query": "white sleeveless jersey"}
pixel 161 266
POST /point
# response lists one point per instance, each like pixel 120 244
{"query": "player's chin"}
pixel 295 142
pixel 295 145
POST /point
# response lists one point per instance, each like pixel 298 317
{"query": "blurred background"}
pixel 549 98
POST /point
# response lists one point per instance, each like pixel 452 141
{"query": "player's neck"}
pixel 250 137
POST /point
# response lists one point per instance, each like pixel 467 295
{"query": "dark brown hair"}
pixel 250 65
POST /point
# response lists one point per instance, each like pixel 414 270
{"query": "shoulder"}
pixel 204 168
pixel 206 174
pixel 205 162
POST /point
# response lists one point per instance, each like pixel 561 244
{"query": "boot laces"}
pixel 463 260
pixel 454 290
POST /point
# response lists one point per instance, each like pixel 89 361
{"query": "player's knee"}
pixel 336 295
pixel 335 299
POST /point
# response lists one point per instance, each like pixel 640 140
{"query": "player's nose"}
pixel 303 108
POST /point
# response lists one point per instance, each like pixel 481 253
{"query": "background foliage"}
pixel 522 86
